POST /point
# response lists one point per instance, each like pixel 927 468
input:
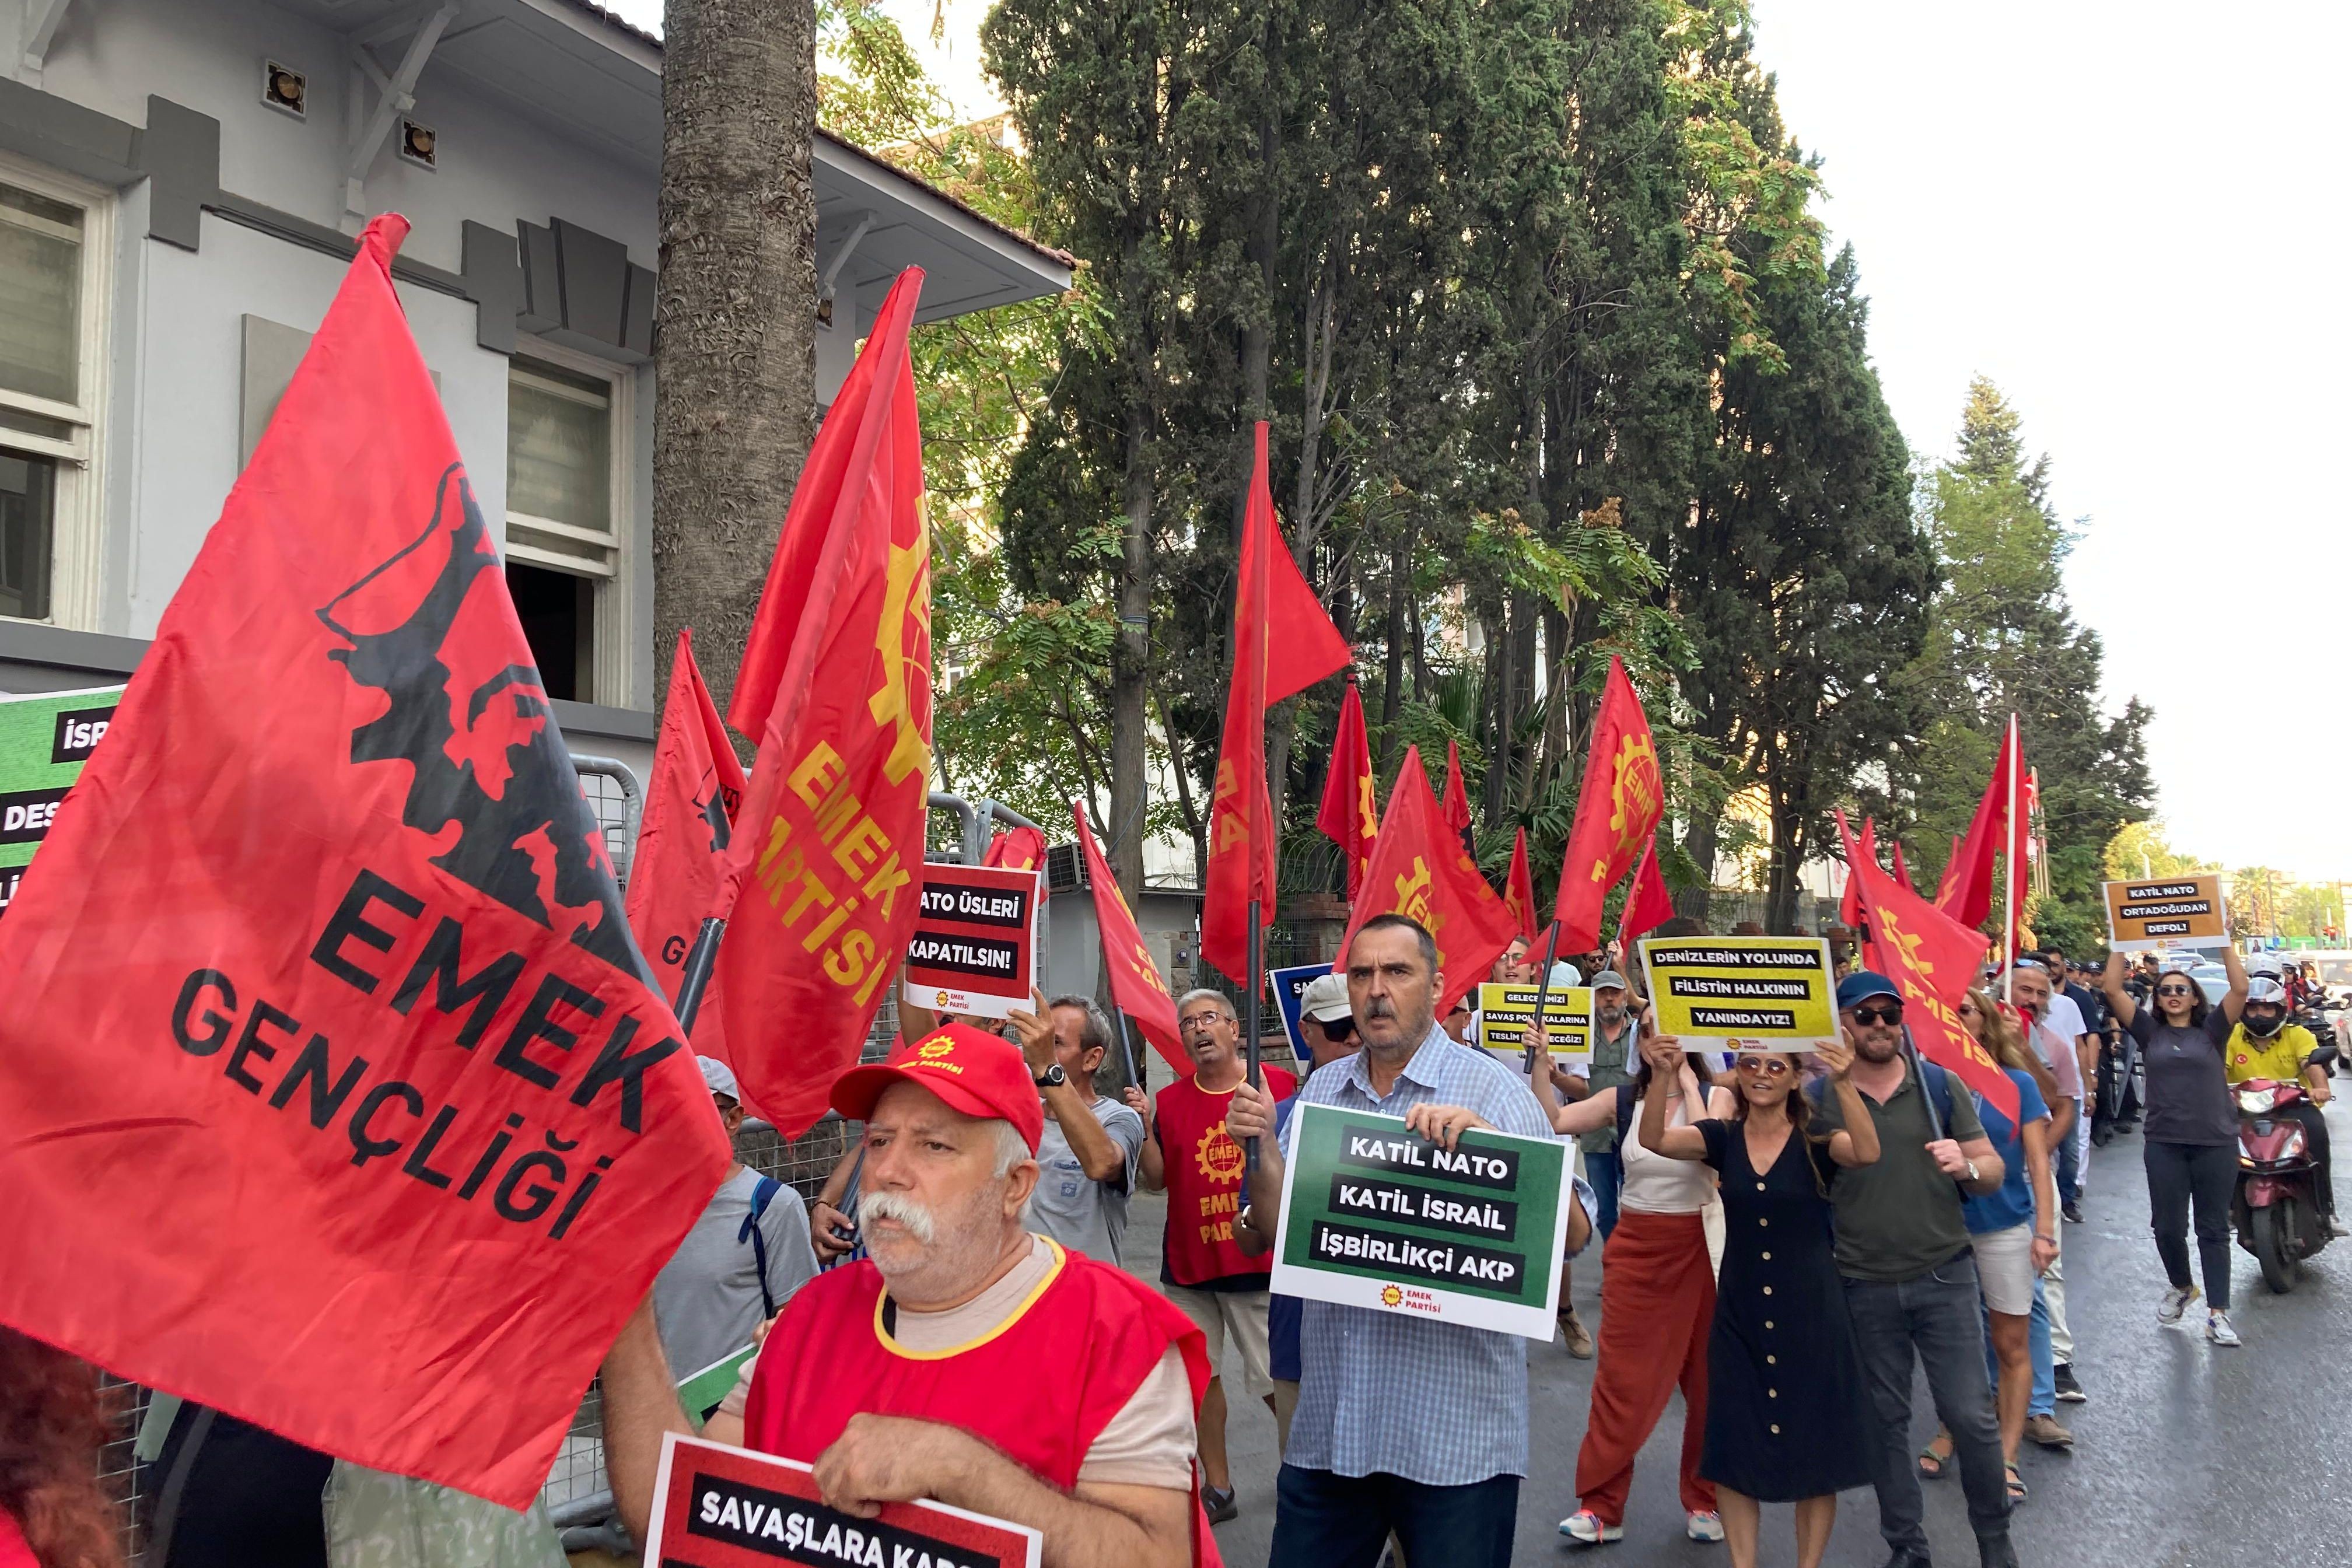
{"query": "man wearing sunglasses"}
pixel 1910 1275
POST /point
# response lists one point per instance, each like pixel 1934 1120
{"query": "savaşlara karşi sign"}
pixel 2178 911
pixel 44 741
pixel 718 1507
pixel 1374 1216
pixel 1765 993
pixel 973 950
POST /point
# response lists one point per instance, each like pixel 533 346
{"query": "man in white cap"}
pixel 963 1359
pixel 742 1260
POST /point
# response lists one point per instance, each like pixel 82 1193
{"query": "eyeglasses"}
pixel 1891 1014
pixel 1201 1020
pixel 2172 991
pixel 1770 1066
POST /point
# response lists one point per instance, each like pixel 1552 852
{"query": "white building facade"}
pixel 180 181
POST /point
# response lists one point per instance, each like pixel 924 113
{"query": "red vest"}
pixel 1205 1179
pixel 1040 1390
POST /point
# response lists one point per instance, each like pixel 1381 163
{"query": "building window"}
pixel 566 428
pixel 53 247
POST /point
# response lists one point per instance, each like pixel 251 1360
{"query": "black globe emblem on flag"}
pixel 490 783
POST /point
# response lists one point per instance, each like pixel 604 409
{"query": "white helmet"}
pixel 2263 964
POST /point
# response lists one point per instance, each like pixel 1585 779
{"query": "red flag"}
pixel 1519 889
pixel 1617 809
pixel 1419 869
pixel 824 872
pixel 1965 892
pixel 1136 988
pixel 1850 905
pixel 1455 800
pixel 681 853
pixel 1648 905
pixel 330 1070
pixel 1283 644
pixel 1931 959
pixel 1347 817
pixel 1021 849
pixel 1902 872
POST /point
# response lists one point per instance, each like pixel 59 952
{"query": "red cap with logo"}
pixel 971 1069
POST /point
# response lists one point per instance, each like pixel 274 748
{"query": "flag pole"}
pixel 2008 891
pixel 700 960
pixel 1250 1019
pixel 1126 1043
pixel 1543 997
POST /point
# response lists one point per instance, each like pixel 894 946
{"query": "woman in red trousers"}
pixel 1657 1299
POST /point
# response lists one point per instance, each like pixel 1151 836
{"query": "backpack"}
pixel 762 1194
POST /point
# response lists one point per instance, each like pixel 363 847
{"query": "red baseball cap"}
pixel 969 1069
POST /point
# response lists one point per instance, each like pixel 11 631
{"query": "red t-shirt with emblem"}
pixel 1204 1181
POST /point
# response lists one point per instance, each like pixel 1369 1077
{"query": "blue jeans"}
pixel 1606 1172
pixel 2070 1171
pixel 2045 1401
pixel 1326 1520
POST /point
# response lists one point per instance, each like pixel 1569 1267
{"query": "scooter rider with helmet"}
pixel 2265 1046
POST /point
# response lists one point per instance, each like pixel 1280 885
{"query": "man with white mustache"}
pixel 962 1360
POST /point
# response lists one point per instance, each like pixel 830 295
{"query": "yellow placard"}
pixel 1766 993
pixel 1504 1012
pixel 2168 911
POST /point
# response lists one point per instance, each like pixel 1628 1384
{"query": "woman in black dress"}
pixel 1787 1416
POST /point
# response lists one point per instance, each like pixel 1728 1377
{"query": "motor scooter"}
pixel 2277 1208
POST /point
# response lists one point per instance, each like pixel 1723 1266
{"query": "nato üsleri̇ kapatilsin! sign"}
pixel 1762 993
pixel 1505 1012
pixel 974 950
pixel 2168 911
pixel 1376 1217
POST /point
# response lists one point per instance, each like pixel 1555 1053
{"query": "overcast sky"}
pixel 2134 220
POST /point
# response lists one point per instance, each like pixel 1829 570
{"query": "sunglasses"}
pixel 1337 1028
pixel 2172 991
pixel 1770 1066
pixel 1892 1014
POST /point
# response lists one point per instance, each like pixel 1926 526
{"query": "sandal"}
pixel 2017 1489
pixel 1935 1462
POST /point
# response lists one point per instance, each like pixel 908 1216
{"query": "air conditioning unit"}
pixel 1065 869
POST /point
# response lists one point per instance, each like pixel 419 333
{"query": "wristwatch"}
pixel 1052 1077
pixel 1972 1171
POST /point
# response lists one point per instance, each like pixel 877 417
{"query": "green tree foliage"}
pixel 2003 639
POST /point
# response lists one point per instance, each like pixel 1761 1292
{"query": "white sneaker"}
pixel 2218 1329
pixel 1585 1525
pixel 2175 1301
pixel 1704 1524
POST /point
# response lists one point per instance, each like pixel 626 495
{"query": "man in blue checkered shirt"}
pixel 1402 1425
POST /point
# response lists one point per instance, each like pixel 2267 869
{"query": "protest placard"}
pixel 44 741
pixel 1505 1012
pixel 1289 987
pixel 974 948
pixel 720 1507
pixel 1767 993
pixel 2168 911
pixel 1374 1216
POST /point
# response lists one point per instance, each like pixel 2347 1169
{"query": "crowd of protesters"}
pixel 1788 1241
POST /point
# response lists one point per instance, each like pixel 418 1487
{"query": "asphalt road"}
pixel 2186 1456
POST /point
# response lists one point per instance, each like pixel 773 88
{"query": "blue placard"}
pixel 1289 986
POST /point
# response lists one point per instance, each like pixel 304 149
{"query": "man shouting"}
pixel 962 1360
